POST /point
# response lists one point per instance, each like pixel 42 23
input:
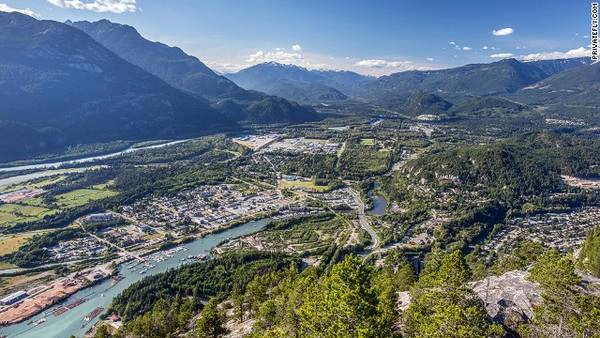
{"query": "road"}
pixel 364 221
pixel 102 240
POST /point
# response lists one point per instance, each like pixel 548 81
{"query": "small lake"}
pixel 379 202
pixel 102 294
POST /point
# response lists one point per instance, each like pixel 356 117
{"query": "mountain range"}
pixel 85 82
pixel 59 86
pixel 413 90
pixel 298 83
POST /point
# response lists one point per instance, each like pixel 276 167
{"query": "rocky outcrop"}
pixel 510 297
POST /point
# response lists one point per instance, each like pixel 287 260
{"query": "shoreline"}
pixel 58 291
pixel 37 305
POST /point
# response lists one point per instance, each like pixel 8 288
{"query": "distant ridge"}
pixel 298 83
pixel 189 74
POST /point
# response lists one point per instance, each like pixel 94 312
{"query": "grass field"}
pixel 34 209
pixel 310 185
pixel 40 184
pixel 11 243
pixel 5 266
pixel 81 197
pixel 367 142
pixel 11 214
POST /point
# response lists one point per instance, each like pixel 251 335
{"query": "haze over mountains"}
pixel 500 88
pixel 58 86
pixel 190 75
pixel 84 82
pixel 298 83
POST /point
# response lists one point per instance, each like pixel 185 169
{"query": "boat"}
pixel 76 303
pixel 39 321
pixel 60 311
pixel 93 314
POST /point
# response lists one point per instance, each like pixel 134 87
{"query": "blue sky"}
pixel 371 37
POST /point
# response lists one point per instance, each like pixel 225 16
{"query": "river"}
pixel 101 295
pixel 54 165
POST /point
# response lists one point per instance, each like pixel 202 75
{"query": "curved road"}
pixel 364 221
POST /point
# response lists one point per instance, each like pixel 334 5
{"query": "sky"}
pixel 370 37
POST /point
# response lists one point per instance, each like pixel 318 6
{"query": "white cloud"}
pixel 503 32
pixel 371 63
pixel 485 47
pixel 380 67
pixel 101 6
pixel 458 47
pixel 378 63
pixel 430 59
pixel 279 55
pixel 501 55
pixel 225 67
pixel 573 53
pixel 26 11
pixel 296 48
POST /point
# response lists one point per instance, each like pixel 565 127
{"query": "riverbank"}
pixel 41 298
pixel 102 293
pixel 86 159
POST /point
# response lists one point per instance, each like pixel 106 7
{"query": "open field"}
pixel 11 243
pixel 34 209
pixel 307 185
pixel 33 184
pixel 367 142
pixel 81 197
pixel 11 214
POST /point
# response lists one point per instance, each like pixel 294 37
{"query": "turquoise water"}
pixel 101 295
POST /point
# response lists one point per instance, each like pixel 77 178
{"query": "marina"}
pixel 71 322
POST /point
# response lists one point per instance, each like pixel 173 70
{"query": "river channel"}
pixel 54 165
pixel 101 295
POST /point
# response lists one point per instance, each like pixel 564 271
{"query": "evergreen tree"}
pixel 211 321
pixel 443 306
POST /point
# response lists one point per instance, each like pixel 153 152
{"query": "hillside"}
pixel 171 64
pixel 189 74
pixel 63 88
pixel 298 83
pixel 500 77
pixel 579 86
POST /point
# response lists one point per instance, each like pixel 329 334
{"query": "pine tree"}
pixel 211 321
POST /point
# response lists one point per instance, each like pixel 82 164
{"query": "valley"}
pixel 145 194
pixel 311 186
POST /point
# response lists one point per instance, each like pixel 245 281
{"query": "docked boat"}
pixel 76 303
pixel 39 321
pixel 93 314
